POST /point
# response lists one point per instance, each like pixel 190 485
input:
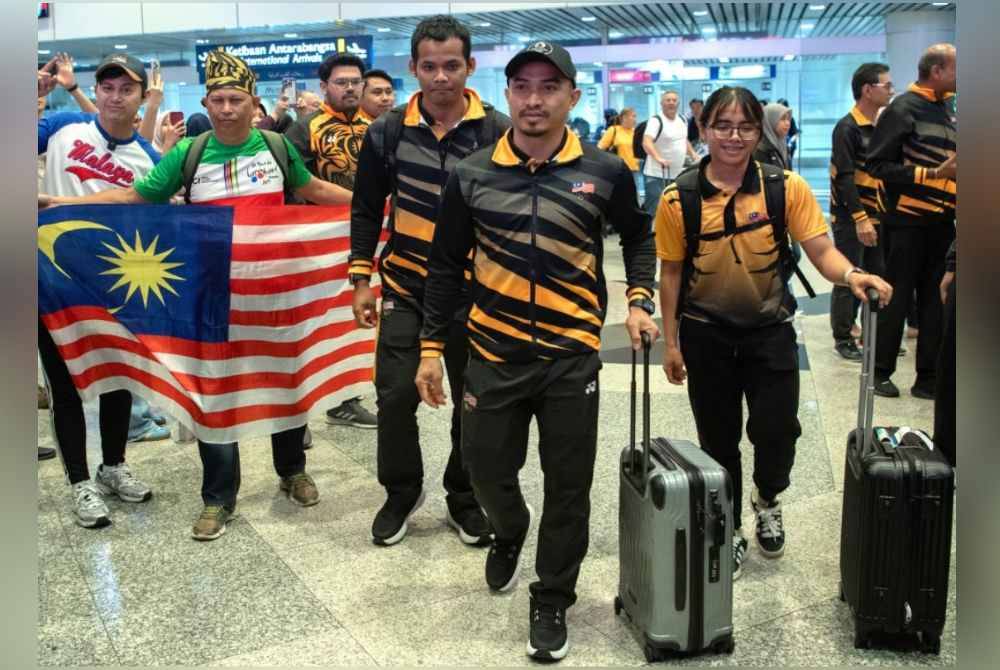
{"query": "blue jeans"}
pixel 654 189
pixel 220 481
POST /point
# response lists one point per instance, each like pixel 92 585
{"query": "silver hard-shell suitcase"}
pixel 675 541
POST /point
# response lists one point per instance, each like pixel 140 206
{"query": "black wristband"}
pixel 73 87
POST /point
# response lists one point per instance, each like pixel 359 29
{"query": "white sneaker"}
pixel 88 505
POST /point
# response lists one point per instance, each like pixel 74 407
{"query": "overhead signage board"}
pixel 295 59
pixel 629 76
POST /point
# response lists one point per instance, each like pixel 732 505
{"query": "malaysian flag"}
pixel 237 322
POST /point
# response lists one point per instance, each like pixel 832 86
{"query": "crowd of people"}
pixel 519 204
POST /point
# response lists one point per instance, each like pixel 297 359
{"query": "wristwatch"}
pixel 850 272
pixel 644 304
pixel 354 277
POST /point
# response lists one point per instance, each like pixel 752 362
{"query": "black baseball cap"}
pixel 132 66
pixel 549 52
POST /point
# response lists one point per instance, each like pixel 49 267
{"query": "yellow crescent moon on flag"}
pixel 48 234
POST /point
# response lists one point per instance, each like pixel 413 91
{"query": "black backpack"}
pixel 639 132
pixel 275 144
pixel 774 196
pixel 485 136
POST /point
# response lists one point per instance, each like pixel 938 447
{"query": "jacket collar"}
pixel 507 154
pixel 414 116
pixel 859 117
pixel 340 116
pixel 751 179
pixel 928 93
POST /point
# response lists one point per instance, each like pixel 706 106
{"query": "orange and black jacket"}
pixel 329 143
pixel 853 192
pixel 914 133
pixel 538 289
pixel 422 165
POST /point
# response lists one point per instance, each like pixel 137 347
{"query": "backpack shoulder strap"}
pixel 690 197
pixel 658 132
pixel 488 128
pixel 774 197
pixel 191 160
pixel 276 145
pixel 392 132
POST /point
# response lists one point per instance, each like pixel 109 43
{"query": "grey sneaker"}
pixel 91 512
pixel 118 479
pixel 351 413
pixel 212 522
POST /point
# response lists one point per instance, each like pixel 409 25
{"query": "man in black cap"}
pixel 532 207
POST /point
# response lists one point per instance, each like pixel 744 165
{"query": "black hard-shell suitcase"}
pixel 895 541
pixel 675 542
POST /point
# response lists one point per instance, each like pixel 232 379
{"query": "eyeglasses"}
pixel 347 83
pixel 724 131
pixel 888 85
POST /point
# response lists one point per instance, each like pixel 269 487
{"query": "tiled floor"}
pixel 293 586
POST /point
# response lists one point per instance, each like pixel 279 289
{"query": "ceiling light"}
pixel 940 4
pixel 182 83
pixel 808 26
pixel 615 35
pixel 201 41
pixel 708 29
pixel 522 38
pixel 44 52
pixel 385 30
pixel 701 12
pixel 723 59
pixel 588 19
pixel 789 56
pixel 121 46
pixel 399 53
pixel 817 8
pixel 484 24
pixel 291 35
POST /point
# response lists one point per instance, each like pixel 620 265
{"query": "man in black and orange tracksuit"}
pixel 407 154
pixel 854 197
pixel 532 209
pixel 913 153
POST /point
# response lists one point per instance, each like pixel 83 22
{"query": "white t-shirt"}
pixel 81 158
pixel 671 144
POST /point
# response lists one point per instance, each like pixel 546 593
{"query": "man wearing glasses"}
pixel 329 141
pixel 854 197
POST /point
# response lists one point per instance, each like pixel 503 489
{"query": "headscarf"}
pixel 224 70
pixel 158 131
pixel 197 123
pixel 772 114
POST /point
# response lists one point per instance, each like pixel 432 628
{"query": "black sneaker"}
pixel 848 350
pixel 45 453
pixel 547 639
pixel 351 413
pixel 390 525
pixel 886 389
pixel 503 564
pixel 471 525
pixel 770 531
pixel 739 553
pixel 923 388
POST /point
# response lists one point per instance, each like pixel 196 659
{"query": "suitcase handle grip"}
pixel 639 476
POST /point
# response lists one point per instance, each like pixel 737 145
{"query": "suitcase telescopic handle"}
pixel 639 476
pixel 866 398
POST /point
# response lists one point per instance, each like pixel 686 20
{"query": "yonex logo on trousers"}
pixel 590 388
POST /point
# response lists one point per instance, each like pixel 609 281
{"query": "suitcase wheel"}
pixel 726 646
pixel 618 605
pixel 860 636
pixel 651 653
pixel 931 644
